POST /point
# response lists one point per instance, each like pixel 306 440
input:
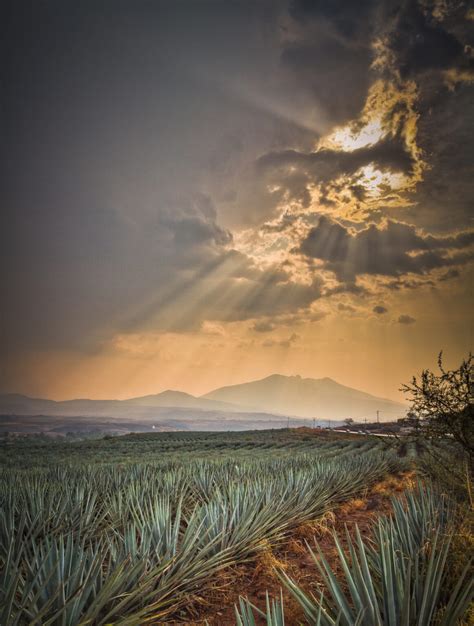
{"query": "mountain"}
pixel 133 408
pixel 170 410
pixel 171 398
pixel 279 395
pixel 321 398
pixel 17 404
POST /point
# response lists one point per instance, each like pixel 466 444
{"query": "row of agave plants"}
pixel 396 577
pixel 101 545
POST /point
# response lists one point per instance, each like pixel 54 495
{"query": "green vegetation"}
pixel 415 567
pixel 442 415
pixel 116 541
pixel 130 530
pixel 33 452
pixel 442 405
pixel 395 578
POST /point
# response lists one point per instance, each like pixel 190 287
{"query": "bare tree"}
pixel 443 404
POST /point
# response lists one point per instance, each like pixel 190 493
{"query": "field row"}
pixel 123 544
pixel 155 447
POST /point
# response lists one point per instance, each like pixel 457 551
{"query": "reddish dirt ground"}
pixel 253 579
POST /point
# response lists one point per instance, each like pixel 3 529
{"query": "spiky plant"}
pixel 394 579
pixel 274 613
pixel 105 544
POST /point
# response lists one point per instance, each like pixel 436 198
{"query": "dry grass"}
pixel 317 527
pixel 357 504
pixel 267 562
pixel 394 484
pixel 469 621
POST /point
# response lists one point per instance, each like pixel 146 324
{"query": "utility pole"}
pixel 378 416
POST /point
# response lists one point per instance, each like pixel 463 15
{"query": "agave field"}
pixel 135 448
pixel 130 530
pixel 394 578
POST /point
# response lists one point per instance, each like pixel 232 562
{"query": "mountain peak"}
pixel 174 392
pixel 169 397
pixel 294 377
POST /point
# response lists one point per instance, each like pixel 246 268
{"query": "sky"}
pixel 198 194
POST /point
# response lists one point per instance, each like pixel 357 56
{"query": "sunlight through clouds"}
pixel 389 111
pixel 200 183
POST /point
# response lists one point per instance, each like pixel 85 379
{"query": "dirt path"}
pixel 255 578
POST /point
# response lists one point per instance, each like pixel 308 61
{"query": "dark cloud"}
pixel 379 309
pixel 325 164
pixel 391 250
pixel 406 319
pixel 246 299
pixel 168 275
pixel 337 74
pixel 446 134
pixel 131 131
pixel 425 41
pixel 431 44
pixel 450 274
pixel 115 137
pixel 229 287
pixel 399 284
pixel 294 170
pixel 421 42
pixel 85 273
pixel 194 224
pixel 329 48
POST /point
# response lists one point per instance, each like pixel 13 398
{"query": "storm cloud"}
pixel 392 249
pixel 423 40
pixel 168 165
pixel 326 164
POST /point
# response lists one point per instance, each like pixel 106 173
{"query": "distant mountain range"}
pixel 146 407
pixel 279 395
